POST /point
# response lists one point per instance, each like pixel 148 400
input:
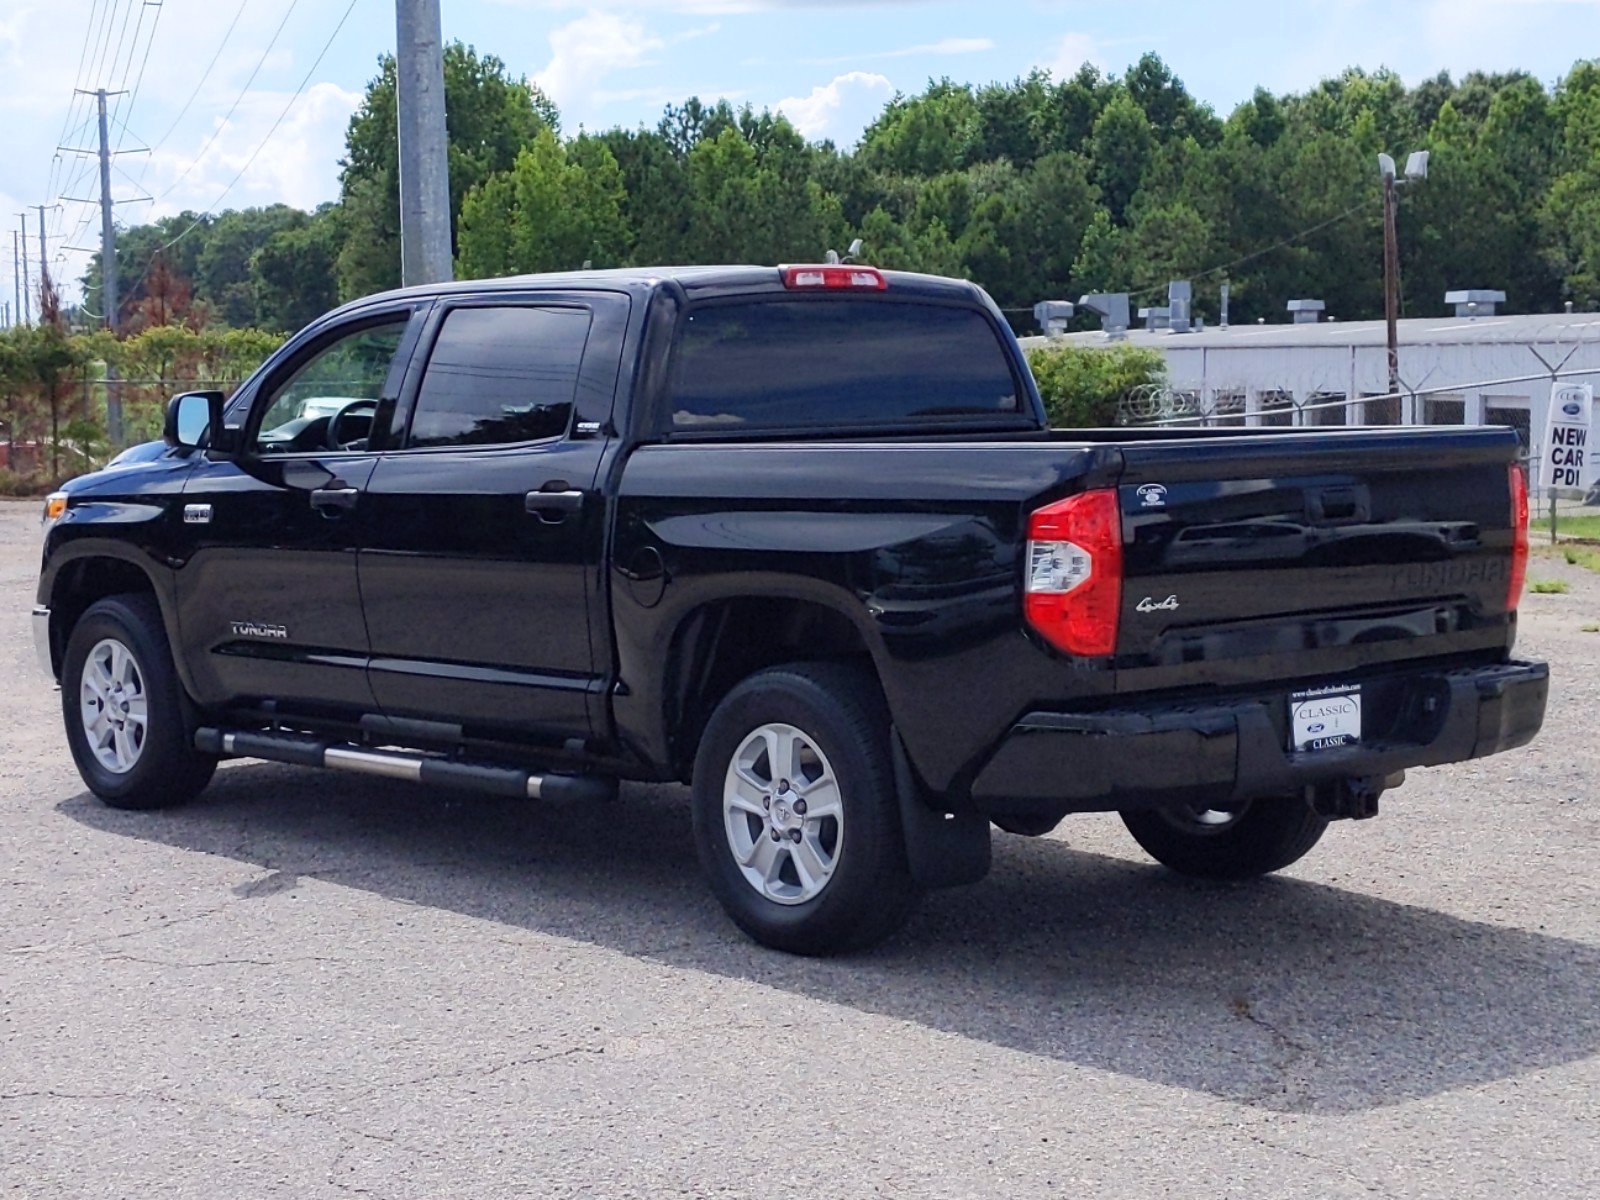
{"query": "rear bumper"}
pixel 1236 749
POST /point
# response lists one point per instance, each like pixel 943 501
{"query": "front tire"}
pixel 1250 840
pixel 128 721
pixel 796 819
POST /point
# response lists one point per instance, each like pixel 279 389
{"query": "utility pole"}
pixel 108 263
pixel 44 269
pixel 109 299
pixel 16 271
pixel 27 295
pixel 424 148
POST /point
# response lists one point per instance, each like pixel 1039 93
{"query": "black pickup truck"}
pixel 799 537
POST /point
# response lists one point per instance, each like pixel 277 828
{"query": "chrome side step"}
pixel 301 751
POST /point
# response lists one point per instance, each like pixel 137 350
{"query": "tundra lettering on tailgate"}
pixel 1460 573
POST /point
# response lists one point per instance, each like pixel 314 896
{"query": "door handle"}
pixel 330 502
pixel 552 507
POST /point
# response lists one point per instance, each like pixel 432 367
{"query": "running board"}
pixel 300 751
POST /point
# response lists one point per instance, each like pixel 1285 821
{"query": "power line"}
pixel 98 64
pixel 223 124
pixel 204 75
pixel 133 96
pixel 72 104
pixel 261 145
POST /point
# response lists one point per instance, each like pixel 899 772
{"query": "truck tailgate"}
pixel 1306 555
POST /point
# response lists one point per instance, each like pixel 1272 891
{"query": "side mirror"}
pixel 191 418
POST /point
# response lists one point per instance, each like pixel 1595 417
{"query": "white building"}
pixel 1454 370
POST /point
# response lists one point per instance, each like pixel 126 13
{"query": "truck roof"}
pixel 699 282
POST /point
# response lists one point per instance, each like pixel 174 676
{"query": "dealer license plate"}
pixel 1325 718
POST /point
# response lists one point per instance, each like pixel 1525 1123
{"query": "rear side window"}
pixel 501 375
pixel 826 363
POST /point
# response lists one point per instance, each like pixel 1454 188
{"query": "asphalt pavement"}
pixel 312 985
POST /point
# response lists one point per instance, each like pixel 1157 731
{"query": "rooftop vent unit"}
pixel 1111 308
pixel 1156 318
pixel 1475 302
pixel 1053 316
pixel 1306 312
pixel 1180 296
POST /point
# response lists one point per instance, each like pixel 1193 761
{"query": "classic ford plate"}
pixel 1325 718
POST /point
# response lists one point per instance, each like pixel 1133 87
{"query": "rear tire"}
pixel 129 724
pixel 802 752
pixel 1256 839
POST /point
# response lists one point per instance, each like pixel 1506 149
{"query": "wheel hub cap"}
pixel 783 814
pixel 114 706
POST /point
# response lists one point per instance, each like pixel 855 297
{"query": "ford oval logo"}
pixel 1317 728
pixel 1572 410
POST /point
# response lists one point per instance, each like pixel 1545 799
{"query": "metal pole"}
pixel 424 148
pixel 44 269
pixel 16 269
pixel 108 277
pixel 27 294
pixel 1391 283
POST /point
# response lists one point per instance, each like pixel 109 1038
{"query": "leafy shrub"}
pixel 1083 386
pixel 21 484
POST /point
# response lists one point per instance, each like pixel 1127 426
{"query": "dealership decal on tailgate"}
pixel 1325 718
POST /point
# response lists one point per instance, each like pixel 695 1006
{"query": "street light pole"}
pixel 1391 281
pixel 1416 172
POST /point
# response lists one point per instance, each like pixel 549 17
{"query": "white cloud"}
pixel 822 113
pixel 589 48
pixel 945 46
pixel 1072 52
pixel 710 6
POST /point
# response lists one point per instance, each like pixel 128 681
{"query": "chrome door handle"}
pixel 552 507
pixel 330 502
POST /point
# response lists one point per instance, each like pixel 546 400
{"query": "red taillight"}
pixel 1519 537
pixel 835 279
pixel 1074 580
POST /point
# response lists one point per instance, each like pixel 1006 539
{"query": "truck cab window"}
pixel 346 377
pixel 829 363
pixel 501 375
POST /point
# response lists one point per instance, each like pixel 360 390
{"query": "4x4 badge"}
pixel 1150 604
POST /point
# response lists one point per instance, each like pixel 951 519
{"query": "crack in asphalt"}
pixel 1292 1055
pixel 222 962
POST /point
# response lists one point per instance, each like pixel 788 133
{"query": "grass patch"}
pixel 1587 557
pixel 1591 629
pixel 1583 526
pixel 1550 587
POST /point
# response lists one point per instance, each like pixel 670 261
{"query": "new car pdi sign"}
pixel 1566 464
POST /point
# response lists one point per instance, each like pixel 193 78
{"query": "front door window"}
pixel 329 401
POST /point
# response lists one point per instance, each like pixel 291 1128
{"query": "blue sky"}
pixel 828 65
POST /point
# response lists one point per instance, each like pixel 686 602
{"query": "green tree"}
pixel 489 118
pixel 1121 148
pixel 558 207
pixel 293 274
pixel 940 130
pixel 222 270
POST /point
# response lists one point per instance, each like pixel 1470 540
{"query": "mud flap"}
pixel 943 849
